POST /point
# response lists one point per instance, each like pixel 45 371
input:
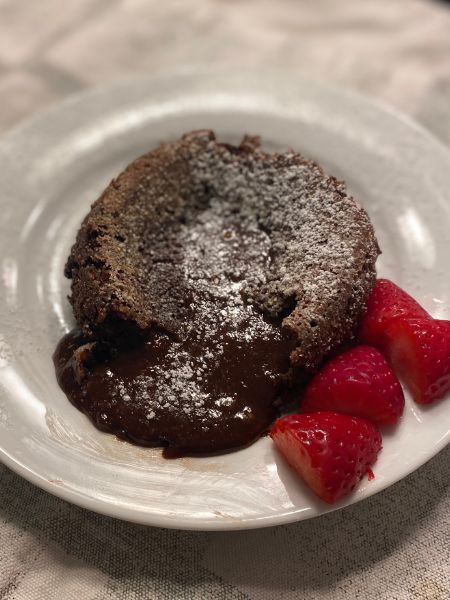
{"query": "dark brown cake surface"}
pixel 240 268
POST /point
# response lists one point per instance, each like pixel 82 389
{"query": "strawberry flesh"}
pixel 331 452
pixel 386 303
pixel 359 382
pixel 419 349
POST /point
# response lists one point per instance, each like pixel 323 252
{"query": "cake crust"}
pixel 126 265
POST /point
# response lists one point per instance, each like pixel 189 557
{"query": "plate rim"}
pixel 125 513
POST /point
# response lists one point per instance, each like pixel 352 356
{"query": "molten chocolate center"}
pixel 211 383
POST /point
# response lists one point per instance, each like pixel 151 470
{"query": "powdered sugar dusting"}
pixel 221 254
pixel 322 246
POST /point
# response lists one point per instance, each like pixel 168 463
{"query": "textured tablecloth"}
pixel 395 545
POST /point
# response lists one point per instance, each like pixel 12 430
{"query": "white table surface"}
pixel 394 546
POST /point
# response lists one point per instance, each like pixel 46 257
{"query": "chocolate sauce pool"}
pixel 227 404
pixel 211 384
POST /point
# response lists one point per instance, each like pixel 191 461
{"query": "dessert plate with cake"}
pixel 207 300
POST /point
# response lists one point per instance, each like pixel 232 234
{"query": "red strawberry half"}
pixel 387 302
pixel 359 382
pixel 419 349
pixel 331 452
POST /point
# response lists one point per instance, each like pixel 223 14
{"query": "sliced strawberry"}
pixel 419 349
pixel 387 302
pixel 359 382
pixel 331 452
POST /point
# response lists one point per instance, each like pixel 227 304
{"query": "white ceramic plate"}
pixel 54 166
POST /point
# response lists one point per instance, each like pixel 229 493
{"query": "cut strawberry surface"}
pixel 419 349
pixel 358 382
pixel 386 303
pixel 331 452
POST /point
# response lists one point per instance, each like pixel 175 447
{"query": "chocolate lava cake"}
pixel 207 280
